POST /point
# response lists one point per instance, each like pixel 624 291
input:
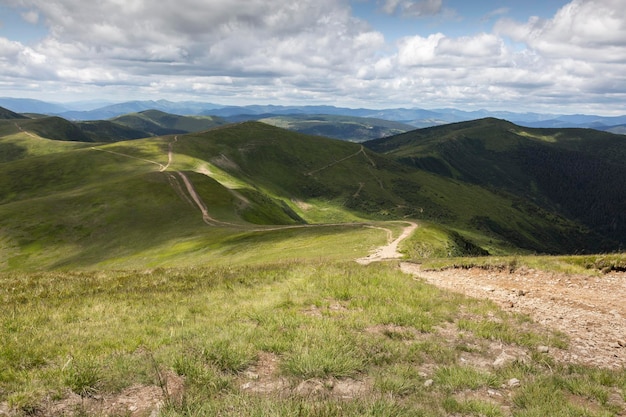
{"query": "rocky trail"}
pixel 590 310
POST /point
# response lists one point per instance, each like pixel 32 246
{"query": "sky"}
pixel 547 56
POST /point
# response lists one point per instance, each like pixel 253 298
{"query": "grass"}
pixel 330 325
pixel 568 264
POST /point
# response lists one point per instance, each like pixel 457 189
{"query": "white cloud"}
pixel 582 29
pixel 315 50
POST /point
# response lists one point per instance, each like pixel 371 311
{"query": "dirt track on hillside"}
pixel 390 250
pixel 590 310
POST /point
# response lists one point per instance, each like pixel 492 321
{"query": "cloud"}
pixel 31 17
pixel 582 29
pixel 256 38
pixel 409 8
pixel 316 51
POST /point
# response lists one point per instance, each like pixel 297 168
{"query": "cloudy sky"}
pixel 554 56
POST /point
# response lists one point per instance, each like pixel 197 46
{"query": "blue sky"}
pixel 553 56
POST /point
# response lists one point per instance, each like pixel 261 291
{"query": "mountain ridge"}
pixel 417 117
pixel 482 185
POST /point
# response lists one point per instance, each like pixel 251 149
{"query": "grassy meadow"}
pixel 342 339
pixel 110 281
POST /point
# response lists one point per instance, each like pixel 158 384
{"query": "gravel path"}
pixel 590 310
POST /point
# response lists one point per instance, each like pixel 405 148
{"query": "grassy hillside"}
pixel 128 204
pixel 355 129
pixel 158 123
pixel 107 131
pixel 213 273
pixel 305 338
pixel 8 114
pixel 110 204
pixel 578 173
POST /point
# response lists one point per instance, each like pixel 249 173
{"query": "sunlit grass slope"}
pixel 341 339
pixel 110 205
pixel 308 169
pixel 64 204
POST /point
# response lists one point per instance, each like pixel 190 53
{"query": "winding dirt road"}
pixel 390 250
pixel 590 310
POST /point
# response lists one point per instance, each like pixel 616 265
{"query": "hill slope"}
pixel 355 129
pixel 580 173
pixel 8 114
pixel 253 187
pixel 158 123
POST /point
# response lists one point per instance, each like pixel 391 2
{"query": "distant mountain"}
pixel 618 130
pixel 24 105
pixel 579 120
pixel 416 117
pixel 114 110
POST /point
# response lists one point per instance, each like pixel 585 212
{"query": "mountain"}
pixel 355 129
pixel 417 117
pixel 108 131
pixel 128 127
pixel 24 105
pixel 618 130
pixel 193 196
pixel 158 123
pixel 114 110
pixel 8 114
pixel 578 173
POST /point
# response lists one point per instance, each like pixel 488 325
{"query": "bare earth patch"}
pixel 589 309
pixel 134 401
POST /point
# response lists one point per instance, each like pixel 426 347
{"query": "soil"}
pixel 590 310
pixel 389 251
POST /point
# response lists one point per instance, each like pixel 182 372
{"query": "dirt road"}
pixel 390 250
pixel 590 310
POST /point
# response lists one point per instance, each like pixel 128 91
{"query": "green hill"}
pixel 578 173
pixel 107 131
pixel 261 193
pixel 158 123
pixel 355 129
pixel 8 114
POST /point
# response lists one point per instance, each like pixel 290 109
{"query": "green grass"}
pixel 326 324
pixel 570 264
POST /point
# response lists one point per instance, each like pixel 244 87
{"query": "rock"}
pixel 493 393
pixel 428 382
pixel 513 382
pixel 543 349
pixel 503 359
pixel 622 342
pixel 251 375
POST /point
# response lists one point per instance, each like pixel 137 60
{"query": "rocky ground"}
pixel 591 310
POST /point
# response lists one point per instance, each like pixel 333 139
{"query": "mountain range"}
pixel 416 117
pixel 152 187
